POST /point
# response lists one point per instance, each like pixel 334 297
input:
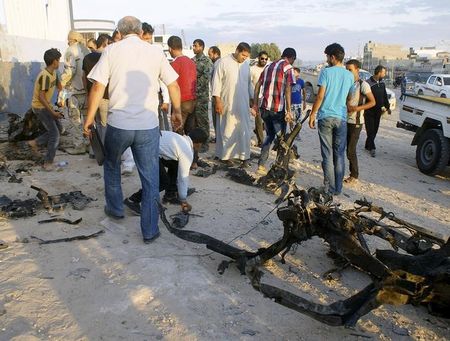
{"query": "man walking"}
pixel 275 109
pixel 204 69
pixel 361 99
pixel 214 54
pixel 133 117
pixel 187 81
pixel 335 84
pixel 232 91
pixel 372 116
pixel 72 82
pixel 255 72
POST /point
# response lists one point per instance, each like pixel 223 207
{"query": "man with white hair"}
pixel 72 82
pixel 132 68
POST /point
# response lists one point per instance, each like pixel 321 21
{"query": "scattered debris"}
pixel 3 245
pixel 79 273
pixel 180 219
pixel 69 239
pixel 239 175
pixel 61 220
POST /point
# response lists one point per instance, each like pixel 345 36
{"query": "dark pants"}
pixel 353 131
pixel 167 179
pixel 275 125
pixel 372 122
pixel 51 137
pixel 259 129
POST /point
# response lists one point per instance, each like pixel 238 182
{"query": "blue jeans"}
pixel 333 139
pixel 51 136
pixel 145 147
pixel 274 124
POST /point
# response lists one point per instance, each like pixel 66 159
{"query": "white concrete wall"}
pixel 39 19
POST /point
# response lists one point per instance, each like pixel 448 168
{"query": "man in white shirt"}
pixel 132 68
pixel 255 73
pixel 176 153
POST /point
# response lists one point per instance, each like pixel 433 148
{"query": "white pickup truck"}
pixel 429 118
pixel 437 85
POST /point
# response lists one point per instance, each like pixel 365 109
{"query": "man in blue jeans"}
pixel 335 85
pixel 132 68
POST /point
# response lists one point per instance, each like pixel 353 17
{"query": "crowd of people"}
pixel 152 113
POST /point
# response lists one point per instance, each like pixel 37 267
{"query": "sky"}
pixel 306 25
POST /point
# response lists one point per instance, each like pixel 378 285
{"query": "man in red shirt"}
pixel 187 81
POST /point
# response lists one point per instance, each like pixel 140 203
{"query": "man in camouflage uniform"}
pixel 72 82
pixel 204 69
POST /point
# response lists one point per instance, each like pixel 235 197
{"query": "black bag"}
pixel 97 145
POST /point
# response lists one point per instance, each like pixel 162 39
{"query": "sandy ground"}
pixel 114 287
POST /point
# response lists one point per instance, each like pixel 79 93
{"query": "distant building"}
pixel 378 53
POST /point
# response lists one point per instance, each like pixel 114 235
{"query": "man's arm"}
pixel 95 96
pixel 387 105
pixel 287 97
pixel 184 165
pixel 175 98
pixel 70 67
pixel 47 105
pixel 316 106
pixel 255 107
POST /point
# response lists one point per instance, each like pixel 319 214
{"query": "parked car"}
pixel 414 78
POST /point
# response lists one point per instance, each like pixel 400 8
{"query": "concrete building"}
pixel 378 53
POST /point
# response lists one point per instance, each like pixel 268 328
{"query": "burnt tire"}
pixel 433 152
pixel 309 91
pixel 420 92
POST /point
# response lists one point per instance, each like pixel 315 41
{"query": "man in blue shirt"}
pixel 335 84
pixel 298 96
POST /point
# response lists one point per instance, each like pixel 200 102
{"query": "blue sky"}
pixel 306 25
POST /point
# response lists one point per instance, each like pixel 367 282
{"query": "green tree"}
pixel 272 50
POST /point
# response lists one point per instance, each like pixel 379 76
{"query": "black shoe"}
pixel 373 153
pixel 109 214
pixel 152 239
pixel 134 206
pixel 190 191
pixel 171 199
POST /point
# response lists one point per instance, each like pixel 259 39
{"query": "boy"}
pixel 44 88
pixel 298 97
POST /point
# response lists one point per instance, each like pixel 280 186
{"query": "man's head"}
pixel 353 65
pixel 103 40
pixel 198 137
pixel 198 46
pixel 380 72
pixel 263 57
pixel 289 54
pixel 175 46
pixel 335 54
pixel 242 52
pixel 116 36
pixel 297 72
pixel 74 37
pixel 92 45
pixel 129 25
pixel 147 32
pixel 51 58
pixel 214 53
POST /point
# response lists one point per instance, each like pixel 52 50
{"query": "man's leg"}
pixel 376 125
pixel 172 176
pixel 116 141
pixel 353 132
pixel 51 136
pixel 201 115
pixel 267 117
pixel 259 129
pixel 326 149
pixel 145 149
pixel 339 143
pixel 370 128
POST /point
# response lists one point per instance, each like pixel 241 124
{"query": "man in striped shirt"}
pixel 276 83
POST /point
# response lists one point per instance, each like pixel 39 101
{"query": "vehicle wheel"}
pixel 309 93
pixel 420 92
pixel 433 152
pixel 443 96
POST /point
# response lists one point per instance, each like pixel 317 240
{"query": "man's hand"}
pixel 312 121
pixel 176 119
pixel 219 106
pixel 87 127
pixel 165 107
pixel 352 108
pixel 185 207
pixel 288 117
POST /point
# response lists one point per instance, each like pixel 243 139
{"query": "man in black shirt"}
pixel 89 62
pixel 372 116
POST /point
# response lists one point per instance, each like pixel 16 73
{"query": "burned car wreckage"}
pixel 418 275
